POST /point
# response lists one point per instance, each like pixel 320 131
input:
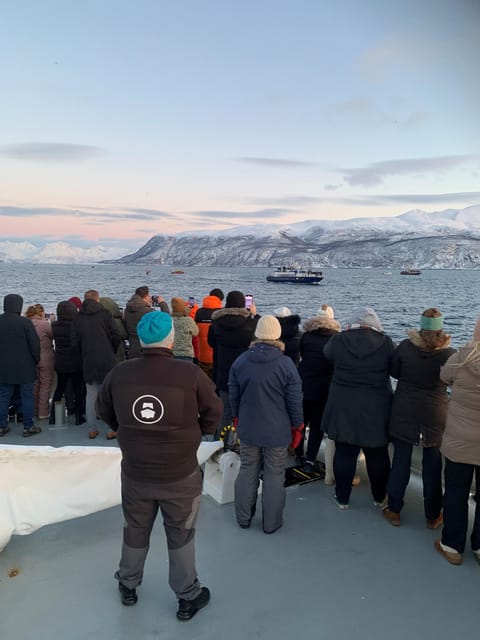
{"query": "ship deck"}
pixel 327 573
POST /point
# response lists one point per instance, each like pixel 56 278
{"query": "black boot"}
pixel 79 417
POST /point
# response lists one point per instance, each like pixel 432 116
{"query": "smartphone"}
pixel 191 302
pixel 248 300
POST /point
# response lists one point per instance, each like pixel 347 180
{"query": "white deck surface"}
pixel 327 574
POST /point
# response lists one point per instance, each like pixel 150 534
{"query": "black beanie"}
pixel 218 293
pixel 235 299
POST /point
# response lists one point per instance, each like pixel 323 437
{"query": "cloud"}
pixel 261 213
pixel 356 105
pixel 374 173
pixel 332 187
pixel 275 162
pixel 99 215
pixel 50 151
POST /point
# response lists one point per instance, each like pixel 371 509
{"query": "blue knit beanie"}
pixel 154 328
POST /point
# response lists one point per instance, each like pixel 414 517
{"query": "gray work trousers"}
pixel 272 461
pixel 179 503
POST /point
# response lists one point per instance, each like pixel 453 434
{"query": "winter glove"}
pixel 235 423
pixel 297 435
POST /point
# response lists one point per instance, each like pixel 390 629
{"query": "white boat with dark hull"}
pixel 295 275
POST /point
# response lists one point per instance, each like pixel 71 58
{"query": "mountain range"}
pixel 444 240
pixel 441 239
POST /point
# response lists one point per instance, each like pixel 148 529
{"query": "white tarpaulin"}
pixel 43 485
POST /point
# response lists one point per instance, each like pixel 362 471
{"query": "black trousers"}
pixel 312 414
pixel 75 381
pixel 400 476
pixel 345 464
pixel 458 481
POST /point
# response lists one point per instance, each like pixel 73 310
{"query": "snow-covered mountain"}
pixel 440 239
pixel 443 239
pixel 54 253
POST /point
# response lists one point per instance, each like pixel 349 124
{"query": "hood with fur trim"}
pixel 313 324
pixel 417 339
pixel 230 311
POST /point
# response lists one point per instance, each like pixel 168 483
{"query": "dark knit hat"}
pixel 218 293
pixel 235 299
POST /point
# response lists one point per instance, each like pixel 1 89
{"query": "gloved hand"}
pixel 297 434
pixel 235 423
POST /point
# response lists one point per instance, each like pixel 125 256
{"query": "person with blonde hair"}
pixel 461 448
pixel 418 415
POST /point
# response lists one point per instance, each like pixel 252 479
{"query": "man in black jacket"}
pixel 94 330
pixel 20 354
pixel 160 407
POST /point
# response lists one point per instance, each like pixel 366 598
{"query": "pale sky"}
pixel 121 119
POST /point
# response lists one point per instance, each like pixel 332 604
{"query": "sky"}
pixel 120 120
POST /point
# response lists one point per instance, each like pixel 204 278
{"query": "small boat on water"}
pixel 295 275
pixel 410 272
pixel 177 271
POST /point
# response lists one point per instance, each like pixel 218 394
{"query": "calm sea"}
pixel 398 300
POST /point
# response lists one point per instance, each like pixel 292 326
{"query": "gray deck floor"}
pixel 326 574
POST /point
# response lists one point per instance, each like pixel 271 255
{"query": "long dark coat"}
pixel 420 402
pixel 358 405
pixel 19 344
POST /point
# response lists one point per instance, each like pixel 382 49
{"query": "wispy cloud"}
pixel 332 187
pixel 96 215
pixel 50 151
pixel 356 105
pixel 373 174
pixel 275 162
pixel 260 213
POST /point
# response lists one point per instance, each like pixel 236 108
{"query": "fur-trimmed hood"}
pixel 417 339
pixel 273 343
pixel 313 324
pixel 230 311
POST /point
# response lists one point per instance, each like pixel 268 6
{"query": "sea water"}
pixel 398 300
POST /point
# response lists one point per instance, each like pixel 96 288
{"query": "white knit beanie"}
pixel 282 312
pixel 325 311
pixel 268 328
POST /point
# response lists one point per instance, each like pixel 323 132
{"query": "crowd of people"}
pixel 188 371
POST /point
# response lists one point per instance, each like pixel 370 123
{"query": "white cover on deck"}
pixel 43 485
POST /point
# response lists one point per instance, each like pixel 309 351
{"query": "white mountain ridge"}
pixel 441 239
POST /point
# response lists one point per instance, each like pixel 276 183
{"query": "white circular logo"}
pixel 148 409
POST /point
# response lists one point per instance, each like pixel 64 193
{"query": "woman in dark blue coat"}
pixel 266 398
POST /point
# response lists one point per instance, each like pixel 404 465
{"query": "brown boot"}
pixel 392 517
pixel 435 523
pixel 452 556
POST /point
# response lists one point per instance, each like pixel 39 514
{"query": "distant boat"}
pixel 295 275
pixel 177 271
pixel 410 272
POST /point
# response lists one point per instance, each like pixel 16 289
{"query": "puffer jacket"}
pixel 114 309
pixel 19 344
pixel 358 405
pixel 185 329
pixel 203 318
pixel 314 368
pixel 68 358
pixel 265 393
pixel 291 336
pixel 461 438
pixel 94 331
pixel 230 334
pixel 45 335
pixel 419 407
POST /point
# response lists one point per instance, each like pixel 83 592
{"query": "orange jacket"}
pixel 203 318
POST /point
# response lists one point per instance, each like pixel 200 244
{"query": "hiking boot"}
pixel 188 608
pixel 476 554
pixel 129 596
pixel 93 434
pixel 111 435
pixel 435 523
pixel 452 556
pixel 31 431
pixel 392 517
pixel 4 431
pixel 340 505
